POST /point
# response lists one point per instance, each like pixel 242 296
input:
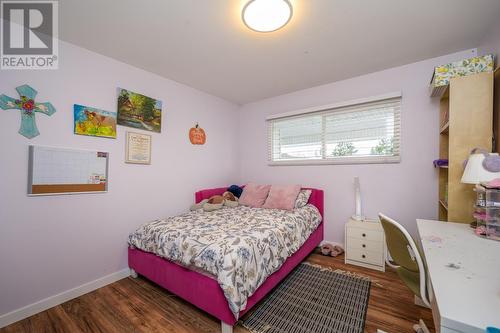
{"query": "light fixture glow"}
pixel 267 15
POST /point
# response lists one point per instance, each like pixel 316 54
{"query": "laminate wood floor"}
pixel 137 305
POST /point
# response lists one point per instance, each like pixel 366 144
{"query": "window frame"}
pixel 380 159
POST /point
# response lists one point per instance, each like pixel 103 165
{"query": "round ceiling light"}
pixel 267 15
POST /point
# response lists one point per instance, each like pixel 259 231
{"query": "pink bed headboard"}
pixel 315 199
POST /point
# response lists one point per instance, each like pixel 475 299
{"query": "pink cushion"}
pixel 254 195
pixel 282 197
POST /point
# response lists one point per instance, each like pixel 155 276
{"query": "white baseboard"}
pixel 49 302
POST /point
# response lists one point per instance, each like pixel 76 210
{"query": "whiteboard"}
pixel 55 170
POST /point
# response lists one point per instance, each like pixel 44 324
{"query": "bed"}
pixel 199 286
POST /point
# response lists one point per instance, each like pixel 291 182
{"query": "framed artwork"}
pixel 94 122
pixel 139 111
pixel 138 148
pixel 28 107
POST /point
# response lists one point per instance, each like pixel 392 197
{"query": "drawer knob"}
pixel 364 235
pixel 363 256
pixel 364 245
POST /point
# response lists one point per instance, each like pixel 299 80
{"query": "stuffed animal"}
pixel 236 190
pixel 217 202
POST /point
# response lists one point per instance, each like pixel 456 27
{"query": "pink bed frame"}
pixel 204 292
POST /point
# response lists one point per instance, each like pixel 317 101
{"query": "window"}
pixel 356 132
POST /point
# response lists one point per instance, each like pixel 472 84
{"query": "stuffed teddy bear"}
pixel 217 202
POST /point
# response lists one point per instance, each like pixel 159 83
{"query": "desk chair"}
pixel 409 264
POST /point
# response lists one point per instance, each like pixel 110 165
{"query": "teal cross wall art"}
pixel 28 107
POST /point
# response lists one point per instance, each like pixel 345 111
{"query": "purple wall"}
pixel 54 243
pixel 404 191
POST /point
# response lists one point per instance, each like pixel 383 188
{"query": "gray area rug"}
pixel 315 300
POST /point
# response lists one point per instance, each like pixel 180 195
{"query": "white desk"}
pixel 465 275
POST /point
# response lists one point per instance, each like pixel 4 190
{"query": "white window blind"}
pixel 361 133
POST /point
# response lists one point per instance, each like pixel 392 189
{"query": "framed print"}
pixel 139 111
pixel 138 148
pixel 94 122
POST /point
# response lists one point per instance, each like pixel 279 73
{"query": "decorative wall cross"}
pixel 28 107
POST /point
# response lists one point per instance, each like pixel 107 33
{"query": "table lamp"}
pixel 358 216
pixel 481 167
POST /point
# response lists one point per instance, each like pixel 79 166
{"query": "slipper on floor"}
pixel 337 250
pixel 326 249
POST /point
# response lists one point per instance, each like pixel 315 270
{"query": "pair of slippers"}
pixel 217 202
pixel 331 250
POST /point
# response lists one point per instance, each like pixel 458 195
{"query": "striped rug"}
pixel 315 300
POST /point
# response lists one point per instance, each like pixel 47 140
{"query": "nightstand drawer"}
pixel 365 234
pixel 364 245
pixel 374 258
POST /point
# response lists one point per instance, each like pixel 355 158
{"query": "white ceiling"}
pixel 204 44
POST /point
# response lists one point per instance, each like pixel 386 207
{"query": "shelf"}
pixel 473 92
pixel 440 166
pixel 440 91
pixel 443 204
pixel 444 129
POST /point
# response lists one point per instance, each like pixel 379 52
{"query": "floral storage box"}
pixel 442 74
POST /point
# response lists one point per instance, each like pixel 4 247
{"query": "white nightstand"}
pixel 365 244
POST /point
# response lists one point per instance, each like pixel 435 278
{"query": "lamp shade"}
pixel 475 173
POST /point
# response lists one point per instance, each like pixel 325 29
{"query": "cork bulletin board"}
pixel 54 171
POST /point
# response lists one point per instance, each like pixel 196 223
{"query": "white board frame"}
pixel 30 172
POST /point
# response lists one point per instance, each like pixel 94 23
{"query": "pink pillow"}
pixel 254 195
pixel 282 197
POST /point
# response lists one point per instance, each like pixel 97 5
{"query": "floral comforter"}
pixel 239 246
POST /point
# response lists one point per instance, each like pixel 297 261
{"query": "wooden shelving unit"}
pixel 466 118
pixel 444 128
pixel 443 204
